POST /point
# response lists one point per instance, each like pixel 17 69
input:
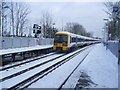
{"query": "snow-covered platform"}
pixel 17 50
pixel 100 68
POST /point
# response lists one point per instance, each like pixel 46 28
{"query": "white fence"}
pixel 113 47
pixel 19 42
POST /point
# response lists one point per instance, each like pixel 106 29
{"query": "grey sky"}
pixel 88 14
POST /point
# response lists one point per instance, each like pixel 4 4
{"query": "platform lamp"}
pixel 106 28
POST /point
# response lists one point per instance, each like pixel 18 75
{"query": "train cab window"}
pixel 73 39
pixel 61 38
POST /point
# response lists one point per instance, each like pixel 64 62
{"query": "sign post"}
pixel 36 30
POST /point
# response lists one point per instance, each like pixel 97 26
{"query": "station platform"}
pixel 100 70
pixel 102 66
pixel 17 50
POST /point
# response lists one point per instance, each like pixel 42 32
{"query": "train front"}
pixel 60 42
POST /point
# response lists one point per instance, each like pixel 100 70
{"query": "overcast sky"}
pixel 88 14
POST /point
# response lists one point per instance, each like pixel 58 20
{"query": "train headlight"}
pixel 64 44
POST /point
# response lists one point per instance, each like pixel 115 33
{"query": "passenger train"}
pixel 65 41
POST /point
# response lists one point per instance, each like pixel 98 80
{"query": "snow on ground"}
pixel 100 68
pixel 25 66
pixel 15 50
pixel 29 59
pixel 17 79
pixel 57 77
pixel 10 82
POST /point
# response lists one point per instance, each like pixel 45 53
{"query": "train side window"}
pixel 82 40
pixel 74 39
pixel 70 39
pixel 78 39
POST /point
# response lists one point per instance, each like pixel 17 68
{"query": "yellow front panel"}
pixel 64 48
pixel 61 34
pixel 54 47
pixel 59 45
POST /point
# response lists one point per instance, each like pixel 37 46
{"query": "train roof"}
pixel 76 35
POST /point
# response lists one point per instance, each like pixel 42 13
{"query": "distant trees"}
pixel 47 24
pixel 112 28
pixel 109 6
pixel 14 18
pixel 76 28
pixel 22 12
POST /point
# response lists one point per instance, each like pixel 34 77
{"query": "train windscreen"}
pixel 60 38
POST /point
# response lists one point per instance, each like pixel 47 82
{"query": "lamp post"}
pixel 11 18
pixel 106 28
pixel 103 33
pixel 3 19
pixel 52 30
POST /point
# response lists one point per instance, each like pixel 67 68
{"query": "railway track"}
pixel 24 62
pixel 52 65
pixel 60 87
pixel 30 68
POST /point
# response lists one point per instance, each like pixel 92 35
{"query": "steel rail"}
pixel 28 69
pixel 60 87
pixel 25 62
pixel 22 85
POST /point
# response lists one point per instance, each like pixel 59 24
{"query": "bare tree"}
pixel 21 14
pixel 47 23
pixel 69 26
pixel 109 6
pixel 7 8
pixel 17 16
pixel 112 24
pixel 3 17
pixel 77 28
pixel 11 7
